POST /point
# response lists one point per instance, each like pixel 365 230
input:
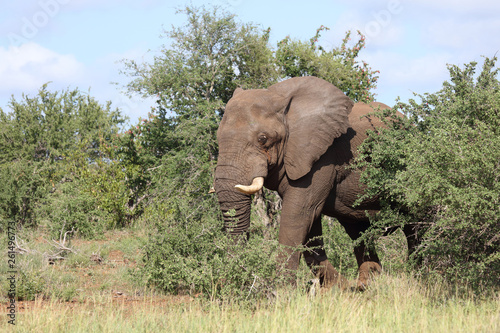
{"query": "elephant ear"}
pixel 237 91
pixel 317 114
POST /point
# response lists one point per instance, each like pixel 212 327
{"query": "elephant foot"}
pixel 366 272
pixel 329 277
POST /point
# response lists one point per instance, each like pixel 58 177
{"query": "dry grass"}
pixel 392 304
pixel 102 298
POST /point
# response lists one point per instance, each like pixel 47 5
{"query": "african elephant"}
pixel 297 137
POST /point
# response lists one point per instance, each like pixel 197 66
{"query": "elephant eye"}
pixel 262 139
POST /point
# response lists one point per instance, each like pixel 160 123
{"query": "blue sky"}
pixel 79 43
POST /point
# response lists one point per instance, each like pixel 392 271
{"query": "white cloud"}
pixel 26 68
pixel 30 65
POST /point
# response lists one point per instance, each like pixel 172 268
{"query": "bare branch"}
pixel 19 249
pixel 60 246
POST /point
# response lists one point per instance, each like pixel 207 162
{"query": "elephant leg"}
pixel 297 220
pixel 303 202
pixel 413 236
pixel 291 236
pixel 362 252
pixel 366 256
pixel 315 257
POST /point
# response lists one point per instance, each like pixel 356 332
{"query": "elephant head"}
pixel 273 136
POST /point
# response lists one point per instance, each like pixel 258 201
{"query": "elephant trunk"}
pixel 235 207
pixel 237 176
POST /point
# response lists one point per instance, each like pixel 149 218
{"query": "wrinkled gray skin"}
pixel 300 135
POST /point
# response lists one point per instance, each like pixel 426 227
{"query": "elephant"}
pixel 298 137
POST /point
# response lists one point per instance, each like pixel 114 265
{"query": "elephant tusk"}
pixel 257 184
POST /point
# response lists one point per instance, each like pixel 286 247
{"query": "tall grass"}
pixel 391 304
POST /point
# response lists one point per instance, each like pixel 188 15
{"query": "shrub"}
pixel 68 208
pixel 440 168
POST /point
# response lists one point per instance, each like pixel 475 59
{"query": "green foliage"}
pixel 105 181
pixel 46 126
pixel 339 248
pixel 30 286
pixel 440 168
pixel 24 184
pixel 71 208
pixel 200 258
pixel 338 66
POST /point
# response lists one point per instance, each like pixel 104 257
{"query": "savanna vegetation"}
pixel 106 212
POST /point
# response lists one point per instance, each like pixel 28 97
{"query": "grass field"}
pixel 91 291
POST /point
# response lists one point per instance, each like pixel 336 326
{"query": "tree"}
pixel 207 59
pixel 440 168
pixel 338 66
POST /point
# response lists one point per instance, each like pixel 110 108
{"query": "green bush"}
pixel 205 261
pixel 439 168
pixel 45 143
pixel 24 184
pixel 189 252
pixel 30 285
pixel 68 208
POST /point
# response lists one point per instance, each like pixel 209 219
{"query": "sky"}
pixel 81 43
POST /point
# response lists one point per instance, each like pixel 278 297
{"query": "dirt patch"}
pixel 94 269
pixel 116 256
